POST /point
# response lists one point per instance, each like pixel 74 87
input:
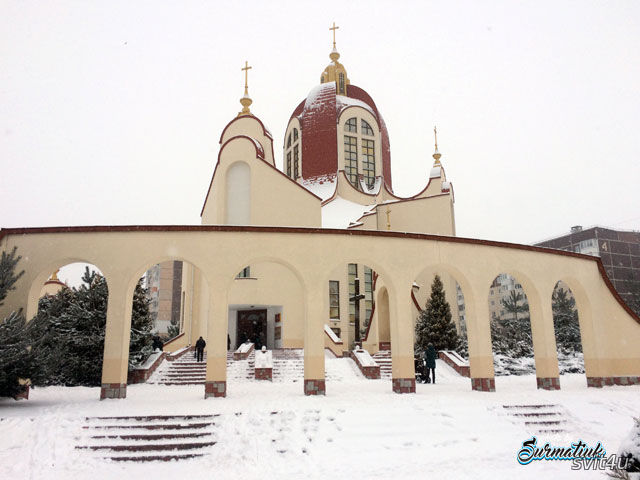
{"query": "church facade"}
pixel 323 254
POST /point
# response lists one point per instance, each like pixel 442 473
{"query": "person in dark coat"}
pixel 200 344
pixel 430 360
pixel 157 343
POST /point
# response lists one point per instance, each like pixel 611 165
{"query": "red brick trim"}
pixel 215 389
pixel 550 383
pixel 113 390
pixel 483 384
pixel 599 382
pixel 372 372
pixel 463 370
pixel 415 301
pixel 263 373
pixel 243 356
pixel 403 385
pixel 320 231
pixel 314 386
pixel 141 375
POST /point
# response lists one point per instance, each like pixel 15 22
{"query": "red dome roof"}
pixel 318 115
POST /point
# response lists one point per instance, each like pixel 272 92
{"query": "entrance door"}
pixel 252 326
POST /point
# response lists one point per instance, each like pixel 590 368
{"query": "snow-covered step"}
pixel 148 438
pixel 539 418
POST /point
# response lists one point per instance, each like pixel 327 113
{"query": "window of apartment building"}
pixel 334 299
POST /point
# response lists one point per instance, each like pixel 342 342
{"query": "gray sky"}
pixel 111 112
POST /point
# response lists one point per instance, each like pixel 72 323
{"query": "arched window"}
pixel 368 161
pixel 295 134
pixel 239 194
pixel 296 163
pixel 351 125
pixel 366 128
pixel 351 159
pixel 289 141
pixel 341 84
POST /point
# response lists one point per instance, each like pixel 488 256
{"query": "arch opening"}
pixel 510 324
pixel 566 327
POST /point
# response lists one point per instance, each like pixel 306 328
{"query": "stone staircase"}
pixel 148 438
pixel 383 358
pixel 183 371
pixel 288 364
pixel 539 418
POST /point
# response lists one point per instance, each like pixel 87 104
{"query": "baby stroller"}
pixel 421 371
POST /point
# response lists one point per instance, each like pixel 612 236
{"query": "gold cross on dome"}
pixel 246 74
pixel 334 28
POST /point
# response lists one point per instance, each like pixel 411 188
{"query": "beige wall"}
pixel 610 335
pixel 275 199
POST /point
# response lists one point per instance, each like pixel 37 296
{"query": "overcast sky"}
pixel 111 112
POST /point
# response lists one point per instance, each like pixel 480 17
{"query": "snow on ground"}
pixel 360 429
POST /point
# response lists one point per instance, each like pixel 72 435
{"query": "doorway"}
pixel 252 326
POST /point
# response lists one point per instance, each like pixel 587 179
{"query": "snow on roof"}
pixel 343 102
pixel 375 188
pixel 435 172
pixel 323 186
pixel 316 96
pixel 332 335
pixel 339 212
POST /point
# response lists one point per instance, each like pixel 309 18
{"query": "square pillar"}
pixel 403 376
pixel 115 363
pixel 479 339
pixel 316 311
pixel 544 343
pixel 216 338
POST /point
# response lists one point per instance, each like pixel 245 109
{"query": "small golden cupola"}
pixel 246 101
pixel 335 71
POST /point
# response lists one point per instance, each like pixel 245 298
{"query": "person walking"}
pixel 200 344
pixel 430 360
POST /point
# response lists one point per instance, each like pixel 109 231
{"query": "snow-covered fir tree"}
pixel 16 360
pixel 140 346
pixel 434 323
pixel 565 321
pixel 68 333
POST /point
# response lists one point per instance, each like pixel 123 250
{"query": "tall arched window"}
pixel 292 154
pixel 341 83
pixel 239 194
pixel 358 139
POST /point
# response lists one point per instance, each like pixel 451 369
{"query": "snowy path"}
pixel 359 430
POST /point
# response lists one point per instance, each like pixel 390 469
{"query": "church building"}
pixel 336 174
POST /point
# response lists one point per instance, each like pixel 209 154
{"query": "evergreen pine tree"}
pixel 141 325
pixel 173 330
pixel 68 333
pixel 434 323
pixel 8 277
pixel 512 304
pixel 565 321
pixel 16 360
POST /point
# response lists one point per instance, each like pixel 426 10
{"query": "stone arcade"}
pixel 282 249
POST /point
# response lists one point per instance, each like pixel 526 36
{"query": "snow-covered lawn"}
pixel 360 429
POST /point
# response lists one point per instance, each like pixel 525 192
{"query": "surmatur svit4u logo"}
pixel 581 455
